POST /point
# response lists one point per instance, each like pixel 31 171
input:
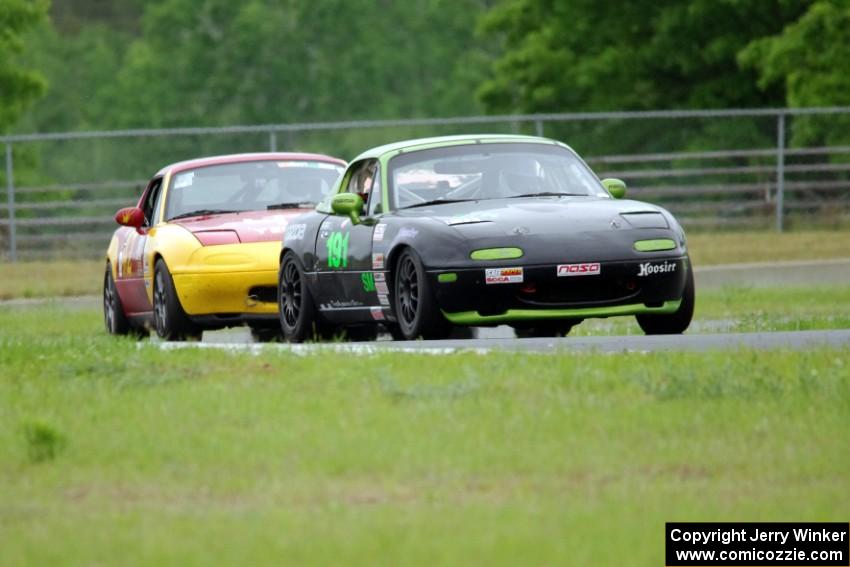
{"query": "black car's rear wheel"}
pixel 298 316
pixel 170 321
pixel 415 307
pixel 674 323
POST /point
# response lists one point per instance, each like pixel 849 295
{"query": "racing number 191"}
pixel 338 250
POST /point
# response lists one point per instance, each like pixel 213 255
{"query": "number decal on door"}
pixel 338 250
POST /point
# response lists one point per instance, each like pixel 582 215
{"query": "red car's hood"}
pixel 250 226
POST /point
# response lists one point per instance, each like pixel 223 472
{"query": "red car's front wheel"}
pixel 169 319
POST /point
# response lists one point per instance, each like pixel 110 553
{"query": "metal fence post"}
pixel 538 127
pixel 780 171
pixel 272 141
pixel 10 196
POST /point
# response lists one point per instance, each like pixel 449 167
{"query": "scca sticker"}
pixel 566 270
pixel 503 275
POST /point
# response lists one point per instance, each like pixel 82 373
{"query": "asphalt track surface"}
pixel 501 338
pixel 699 342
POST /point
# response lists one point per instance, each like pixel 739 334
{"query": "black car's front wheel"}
pixel 674 323
pixel 170 321
pixel 415 307
pixel 298 317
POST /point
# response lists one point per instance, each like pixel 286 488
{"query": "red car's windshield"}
pixel 250 186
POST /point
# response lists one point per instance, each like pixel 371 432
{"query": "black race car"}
pixel 425 235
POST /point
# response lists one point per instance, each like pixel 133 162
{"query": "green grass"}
pixel 112 452
pixel 51 278
pixel 708 249
pixel 85 277
pixel 747 309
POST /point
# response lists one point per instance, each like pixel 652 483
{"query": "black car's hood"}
pixel 547 213
pixel 553 228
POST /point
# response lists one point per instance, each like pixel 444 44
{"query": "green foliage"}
pixel 810 61
pixel 589 55
pixel 18 86
pixel 218 62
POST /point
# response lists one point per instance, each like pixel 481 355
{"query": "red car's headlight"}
pixel 217 237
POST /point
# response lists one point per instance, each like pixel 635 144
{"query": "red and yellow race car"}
pixel 200 250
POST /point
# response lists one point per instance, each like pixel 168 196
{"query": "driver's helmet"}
pixel 519 174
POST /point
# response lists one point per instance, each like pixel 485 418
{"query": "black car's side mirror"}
pixel 617 187
pixel 348 204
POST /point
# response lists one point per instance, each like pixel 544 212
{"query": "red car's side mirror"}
pixel 131 216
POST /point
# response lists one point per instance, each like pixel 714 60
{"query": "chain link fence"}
pixel 715 169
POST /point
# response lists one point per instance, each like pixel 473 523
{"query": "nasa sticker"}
pixel 585 269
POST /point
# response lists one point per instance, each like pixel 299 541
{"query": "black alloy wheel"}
pixel 113 312
pixel 416 309
pixel 298 317
pixel 170 321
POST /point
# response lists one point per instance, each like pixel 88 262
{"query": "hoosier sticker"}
pixel 503 275
pixel 649 268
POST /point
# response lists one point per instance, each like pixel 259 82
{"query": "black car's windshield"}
pixel 250 186
pixel 489 171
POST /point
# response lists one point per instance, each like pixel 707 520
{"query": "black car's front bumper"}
pixel 619 288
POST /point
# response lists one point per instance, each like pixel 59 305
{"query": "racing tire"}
pixel 416 309
pixel 298 315
pixel 544 329
pixel 674 323
pixel 113 312
pixel 169 319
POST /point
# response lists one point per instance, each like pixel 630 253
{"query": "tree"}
pixel 18 87
pixel 810 61
pixel 643 54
